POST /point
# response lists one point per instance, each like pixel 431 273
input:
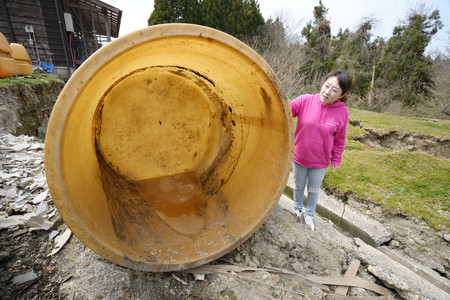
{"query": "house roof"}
pixel 95 15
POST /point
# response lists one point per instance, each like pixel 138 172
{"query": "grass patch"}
pixel 414 183
pixel 388 122
pixel 26 80
pixel 353 131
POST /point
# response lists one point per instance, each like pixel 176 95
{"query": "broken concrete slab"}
pixel 369 230
pixel 420 269
pixel 407 283
pixel 11 192
pixel 6 176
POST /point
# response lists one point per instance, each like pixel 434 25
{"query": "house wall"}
pixel 46 44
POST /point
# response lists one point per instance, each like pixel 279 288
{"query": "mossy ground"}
pixel 26 80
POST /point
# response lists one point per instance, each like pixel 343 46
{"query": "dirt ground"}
pixel 28 271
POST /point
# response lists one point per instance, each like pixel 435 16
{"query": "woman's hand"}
pixel 334 168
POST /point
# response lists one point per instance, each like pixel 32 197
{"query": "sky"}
pixel 297 13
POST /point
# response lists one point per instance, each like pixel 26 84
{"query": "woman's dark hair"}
pixel 345 82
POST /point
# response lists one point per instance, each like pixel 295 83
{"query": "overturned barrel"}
pixel 20 55
pixel 8 66
pixel 169 147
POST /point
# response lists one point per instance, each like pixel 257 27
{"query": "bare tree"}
pixel 281 47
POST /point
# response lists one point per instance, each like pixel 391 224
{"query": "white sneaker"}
pixel 299 215
pixel 309 221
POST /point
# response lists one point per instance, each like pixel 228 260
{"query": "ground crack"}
pixel 400 140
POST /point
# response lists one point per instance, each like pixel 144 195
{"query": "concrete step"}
pixel 425 272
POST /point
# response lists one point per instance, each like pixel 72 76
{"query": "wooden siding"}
pixel 21 13
pixel 54 37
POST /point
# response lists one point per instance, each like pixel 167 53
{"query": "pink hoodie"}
pixel 320 132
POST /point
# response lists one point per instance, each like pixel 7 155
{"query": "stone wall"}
pixel 26 107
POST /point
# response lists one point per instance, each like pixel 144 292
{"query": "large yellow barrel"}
pixel 8 66
pixel 20 55
pixel 169 147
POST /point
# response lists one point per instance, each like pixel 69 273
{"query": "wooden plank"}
pixel 350 273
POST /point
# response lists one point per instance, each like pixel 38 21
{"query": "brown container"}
pixel 169 147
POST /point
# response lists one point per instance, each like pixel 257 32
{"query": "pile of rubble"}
pixel 24 194
pixel 27 211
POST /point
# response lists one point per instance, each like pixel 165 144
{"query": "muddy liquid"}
pixel 177 199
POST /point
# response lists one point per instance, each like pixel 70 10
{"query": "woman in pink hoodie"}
pixel 319 138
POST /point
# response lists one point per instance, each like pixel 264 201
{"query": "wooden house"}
pixel 59 34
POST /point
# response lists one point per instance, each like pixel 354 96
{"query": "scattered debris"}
pixel 23 185
pixel 24 278
pixel 13 221
pixel 60 241
pixel 179 279
pixel 199 277
pixel 38 222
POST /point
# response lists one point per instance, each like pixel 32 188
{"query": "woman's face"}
pixel 330 91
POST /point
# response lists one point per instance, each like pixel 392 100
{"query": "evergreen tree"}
pixel 240 18
pixel 164 11
pixel 189 11
pixel 318 42
pixel 214 13
pixel 354 51
pixel 404 60
pixel 251 18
